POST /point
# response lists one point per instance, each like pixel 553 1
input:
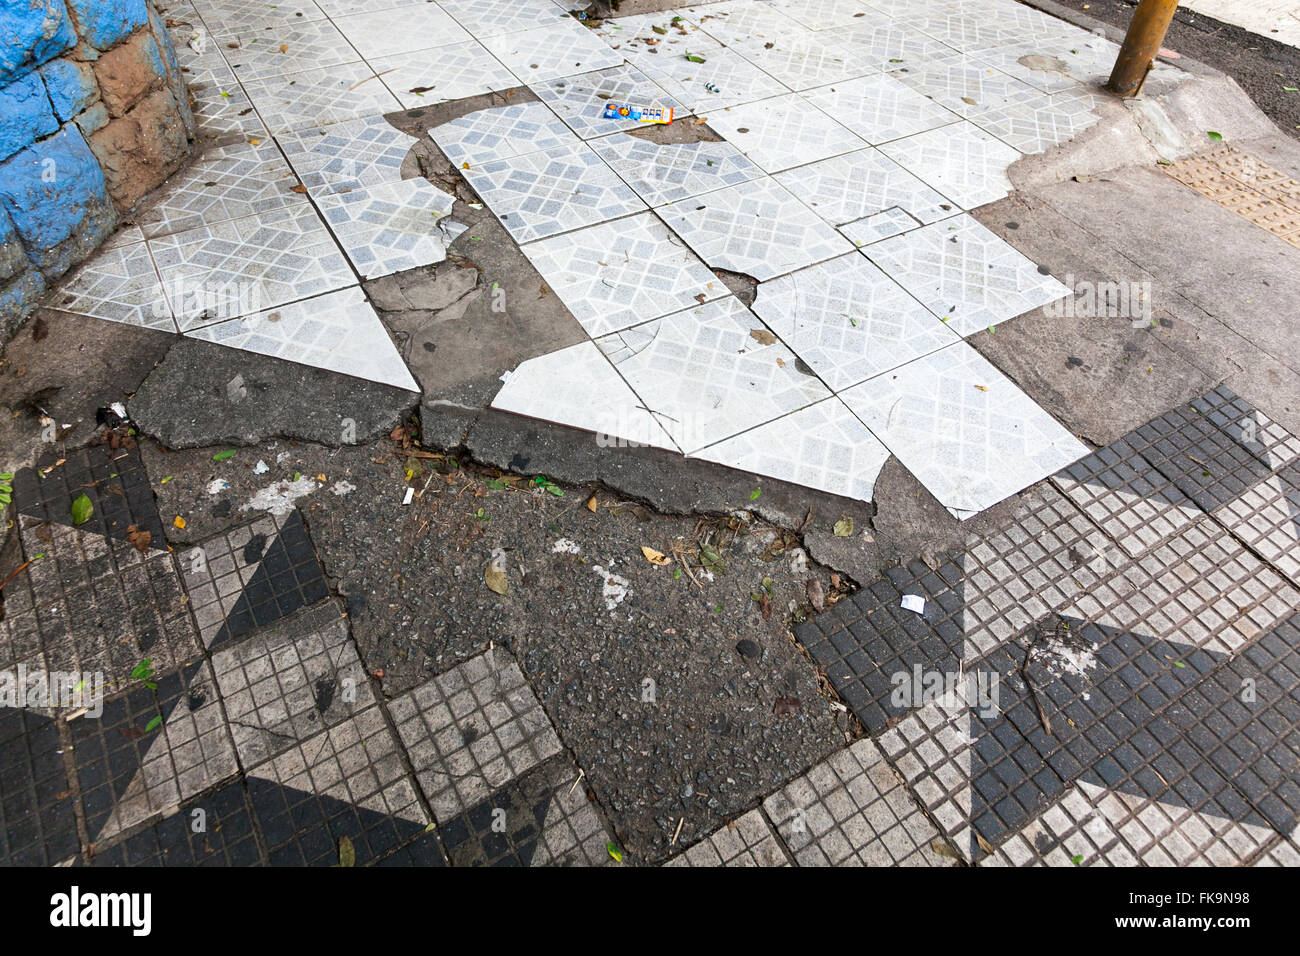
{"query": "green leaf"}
pixel 659 30
pixel 496 484
pixel 4 498
pixel 167 479
pixel 153 724
pixel 695 58
pixel 6 477
pixel 1292 89
pixel 615 853
pixel 677 573
pixel 143 670
pixel 81 510
pixel 347 852
pixel 843 528
pixel 1179 664
pixel 1214 137
pixel 754 495
pixel 297 475
pixel 1077 859
pixel 223 455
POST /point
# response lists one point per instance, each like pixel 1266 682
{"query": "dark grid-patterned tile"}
pixel 1069 832
pixel 472 730
pixel 252 576
pixel 539 818
pixel 348 781
pixel 1203 461
pixel 870 637
pixel 1241 421
pixel 745 841
pixel 853 810
pixel 128 771
pixel 37 825
pixel 1266 517
pixel 1128 498
pixel 215 830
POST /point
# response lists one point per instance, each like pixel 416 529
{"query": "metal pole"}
pixel 1145 36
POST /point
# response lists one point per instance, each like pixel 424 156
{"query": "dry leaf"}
pixel 179 522
pixel 943 849
pixel 591 504
pixel 984 844
pixel 657 558
pixel 300 188
pixel 139 539
pixel 284 48
pixel 981 388
pixel 494 575
pixel 762 336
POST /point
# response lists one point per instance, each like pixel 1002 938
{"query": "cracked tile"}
pixel 119 283
pixel 390 227
pixel 862 184
pixel 677 171
pixel 543 53
pixel 350 155
pixel 500 133
pixel 783 132
pixel 880 108
pixel 316 98
pixel 962 162
pixel 580 100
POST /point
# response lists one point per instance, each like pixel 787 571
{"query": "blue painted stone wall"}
pixel 93 115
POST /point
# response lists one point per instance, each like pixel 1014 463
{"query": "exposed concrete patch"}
pixel 205 394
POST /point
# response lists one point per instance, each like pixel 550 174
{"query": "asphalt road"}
pixel 1263 67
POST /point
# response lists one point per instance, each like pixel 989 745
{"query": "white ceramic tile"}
pixel 247 265
pixel 893 221
pixel 554 191
pixel 657 34
pixel 621 273
pixel 968 434
pixel 118 283
pixel 677 171
pixel 350 155
pixel 539 54
pixel 226 183
pixel 823 446
pixel 740 21
pixel 378 33
pixel 313 98
pixel 577 386
pixel 861 184
pixel 1058 66
pixel 580 100
pixel 757 228
pixel 488 18
pixel 706 377
pixel 890 47
pixel 848 321
pixel 826 14
pixel 338 332
pixel 736 79
pixel 880 108
pixel 783 132
pixel 1036 125
pixel 961 161
pixel 343 8
pixel 291 49
pixel 802 62
pixel 458 71
pixel 966 85
pixel 501 132
pixel 965 274
pixel 221 108
pixel 390 227
pixel 249 18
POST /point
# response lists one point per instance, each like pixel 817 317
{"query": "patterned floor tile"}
pixel 783 131
pixel 970 33
pixel 227 837
pixel 362 152
pixel 378 33
pixel 661 34
pixel 1056 66
pixel 348 781
pixel 543 53
pixel 1071 832
pixel 288 683
pixel 578 386
pixel 472 730
pixel 825 14
pixel 734 21
pixel 1267 518
pixel 966 86
pixel 121 284
pixel 622 273
pixel 245 265
pixel 221 107
pixel 848 321
pixel 853 811
pixel 965 274
pixel 893 221
pixel 553 191
pixel 227 18
pixel 390 227
pixel 291 48
pixel 746 841
pixel 37 823
pixel 488 18
pixel 1127 498
pixel 1260 435
pixel 580 100
pixel 315 98
pixel 757 228
pixel 707 375
pixel 823 446
pixel 340 332
pixel 889 47
pixel 963 428
pixel 736 79
pixel 802 62
pixel 1036 125
pixel 459 70
pixel 962 162
pixel 151 750
pixel 880 108
pixel 677 171
pixel 862 185
pixel 226 183
pixel 500 133
pixel 251 577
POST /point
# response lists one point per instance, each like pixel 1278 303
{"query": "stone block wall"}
pixel 93 116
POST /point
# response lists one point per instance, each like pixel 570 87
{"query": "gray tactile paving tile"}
pixel 37 824
pixel 852 810
pixel 745 841
pixel 1266 518
pixel 1262 437
pixel 1070 832
pixel 472 730
pixel 216 830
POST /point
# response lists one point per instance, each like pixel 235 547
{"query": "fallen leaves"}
pixel 81 509
pixel 657 558
pixel 494 575
pixel 178 522
pixel 591 504
pixel 762 336
pixel 140 540
pixel 347 852
pixel 843 528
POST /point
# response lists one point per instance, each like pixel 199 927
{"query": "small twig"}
pixel 20 570
pixel 680 821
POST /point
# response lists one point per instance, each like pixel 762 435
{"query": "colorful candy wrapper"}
pixel 642 114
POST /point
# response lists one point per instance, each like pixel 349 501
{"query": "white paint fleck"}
pixel 565 546
pixel 278 497
pixel 614 589
pixel 217 486
pixel 261 468
pixel 341 488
